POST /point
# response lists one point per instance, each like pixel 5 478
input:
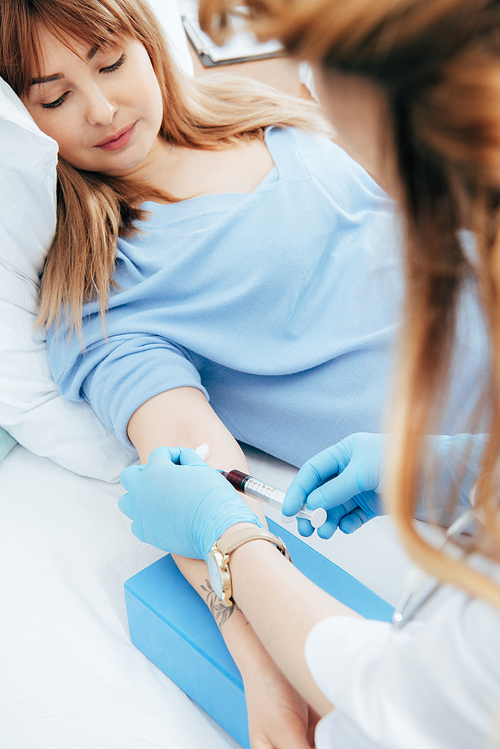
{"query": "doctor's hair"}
pixel 93 210
pixel 438 63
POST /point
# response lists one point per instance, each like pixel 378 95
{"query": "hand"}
pixel 278 717
pixel 179 504
pixel 345 479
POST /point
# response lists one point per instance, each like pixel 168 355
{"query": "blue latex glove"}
pixel 345 479
pixel 179 504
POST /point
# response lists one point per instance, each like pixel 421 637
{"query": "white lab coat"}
pixel 434 684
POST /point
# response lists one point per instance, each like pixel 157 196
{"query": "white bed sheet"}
pixel 69 676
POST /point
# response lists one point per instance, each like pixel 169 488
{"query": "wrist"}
pixel 246 563
pixel 223 521
pixel 258 548
pixel 227 544
pixel 237 527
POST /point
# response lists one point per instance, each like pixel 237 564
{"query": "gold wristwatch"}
pixel 218 558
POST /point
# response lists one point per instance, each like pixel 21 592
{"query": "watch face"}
pixel 215 578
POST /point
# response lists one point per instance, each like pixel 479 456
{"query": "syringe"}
pixel 252 487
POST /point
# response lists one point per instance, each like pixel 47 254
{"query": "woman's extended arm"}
pixel 277 715
pixel 282 606
pixel 179 504
pixel 182 416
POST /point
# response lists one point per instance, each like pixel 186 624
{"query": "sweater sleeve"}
pixel 453 467
pixel 432 684
pixel 117 374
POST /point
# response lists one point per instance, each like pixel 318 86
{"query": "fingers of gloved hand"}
pixel 126 505
pixel 294 500
pixel 128 475
pixel 188 457
pixel 337 491
pixel 331 524
pixel 334 517
pixel 322 466
pixel 354 520
pixel 304 527
pixel 164 455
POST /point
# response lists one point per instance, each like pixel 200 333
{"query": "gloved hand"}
pixel 179 504
pixel 345 479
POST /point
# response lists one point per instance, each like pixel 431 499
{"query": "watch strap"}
pixel 233 541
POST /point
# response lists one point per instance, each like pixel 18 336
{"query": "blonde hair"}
pixel 439 63
pixel 93 209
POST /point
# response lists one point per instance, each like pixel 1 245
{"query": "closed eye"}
pixel 107 69
pixel 56 103
pixel 114 66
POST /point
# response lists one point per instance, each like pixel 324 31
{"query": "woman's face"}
pixel 102 105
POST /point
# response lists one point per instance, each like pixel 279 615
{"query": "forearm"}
pixel 282 606
pixel 277 715
pixel 182 417
pixel 242 642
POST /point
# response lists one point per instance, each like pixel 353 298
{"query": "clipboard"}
pixel 241 47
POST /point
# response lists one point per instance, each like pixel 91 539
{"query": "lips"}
pixel 118 139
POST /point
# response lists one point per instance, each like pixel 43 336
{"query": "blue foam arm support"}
pixel 173 627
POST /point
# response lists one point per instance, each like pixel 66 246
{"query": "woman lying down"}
pixel 221 269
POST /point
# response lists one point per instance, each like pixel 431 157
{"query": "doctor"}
pixel 413 90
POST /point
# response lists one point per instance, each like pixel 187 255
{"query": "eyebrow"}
pixel 58 76
pixel 47 79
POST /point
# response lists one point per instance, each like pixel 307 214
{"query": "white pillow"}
pixel 31 409
pixel 169 16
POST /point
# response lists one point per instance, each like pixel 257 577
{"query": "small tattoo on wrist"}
pixel 220 612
